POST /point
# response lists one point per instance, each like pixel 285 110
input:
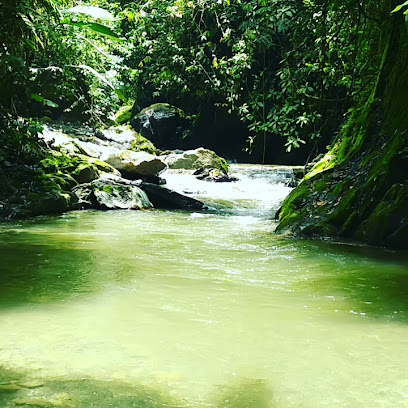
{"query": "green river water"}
pixel 177 309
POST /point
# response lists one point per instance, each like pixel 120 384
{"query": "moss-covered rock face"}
pixel 362 198
pixel 359 189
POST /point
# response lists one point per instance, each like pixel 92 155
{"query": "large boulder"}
pixel 126 138
pixel 110 194
pixel 136 165
pixel 163 198
pixel 196 159
pixel 164 125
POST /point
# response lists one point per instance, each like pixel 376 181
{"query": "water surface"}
pixel 159 308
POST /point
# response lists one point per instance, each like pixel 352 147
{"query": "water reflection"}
pixel 373 281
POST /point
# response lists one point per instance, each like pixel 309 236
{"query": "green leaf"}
pixel 44 101
pixel 95 12
pixel 95 27
pixel 399 7
pixel 102 79
pixel 37 98
pixel 51 103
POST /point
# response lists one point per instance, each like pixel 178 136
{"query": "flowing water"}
pixel 177 309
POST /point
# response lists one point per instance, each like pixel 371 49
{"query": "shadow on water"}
pixel 373 281
pixel 245 393
pixel 45 274
pixel 17 390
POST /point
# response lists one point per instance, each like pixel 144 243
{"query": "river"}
pixel 176 309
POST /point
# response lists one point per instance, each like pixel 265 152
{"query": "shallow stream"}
pixel 177 309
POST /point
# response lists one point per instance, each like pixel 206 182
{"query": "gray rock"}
pixel 109 194
pixel 163 198
pixel 136 165
pixel 196 159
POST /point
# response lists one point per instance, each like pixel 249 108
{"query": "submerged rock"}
pixel 163 198
pixel 163 124
pixel 109 194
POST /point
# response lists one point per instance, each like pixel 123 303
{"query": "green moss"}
pixel 342 211
pixel 124 114
pixel 290 219
pixel 223 165
pixel 291 210
pixel 99 164
pixel 320 186
pixel 326 163
pixel 339 189
pixel 141 144
pixel 107 189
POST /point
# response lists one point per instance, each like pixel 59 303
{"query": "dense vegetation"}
pixel 308 72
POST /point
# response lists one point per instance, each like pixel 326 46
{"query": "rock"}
pixel 126 138
pixel 102 166
pixel 85 173
pixel 197 159
pixel 124 114
pixel 164 125
pixel 213 175
pixel 109 194
pixel 136 165
pixel 164 198
pixel 54 202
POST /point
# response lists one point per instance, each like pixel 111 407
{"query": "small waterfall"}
pixel 258 192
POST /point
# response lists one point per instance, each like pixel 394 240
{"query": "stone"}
pixel 112 193
pixel 85 173
pixel 197 159
pixel 164 198
pixel 213 175
pixel 124 114
pixel 126 138
pixel 164 125
pixel 136 165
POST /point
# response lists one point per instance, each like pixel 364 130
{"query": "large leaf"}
pixel 399 7
pixel 96 28
pixel 102 79
pixel 44 101
pixel 95 12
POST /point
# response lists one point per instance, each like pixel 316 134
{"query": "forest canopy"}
pixel 291 69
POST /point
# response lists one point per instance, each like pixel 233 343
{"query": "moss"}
pixel 124 114
pixel 99 164
pixel 387 217
pixel 141 144
pixel 339 189
pixel 320 186
pixel 291 210
pixel 342 211
pixel 326 163
pixel 290 219
pixel 107 189
pixel 223 165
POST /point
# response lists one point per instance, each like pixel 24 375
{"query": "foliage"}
pixel 288 68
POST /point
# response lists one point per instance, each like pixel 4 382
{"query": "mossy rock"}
pixel 197 159
pixel 124 114
pixel 141 144
pixel 85 173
